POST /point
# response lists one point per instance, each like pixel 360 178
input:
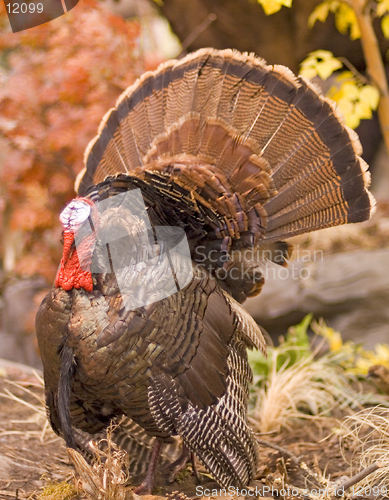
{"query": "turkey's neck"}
pixel 74 270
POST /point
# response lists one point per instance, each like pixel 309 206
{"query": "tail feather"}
pixel 132 438
pixel 67 368
pixel 243 120
pixel 218 434
pixel 225 445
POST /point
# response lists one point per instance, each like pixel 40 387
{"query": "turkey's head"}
pixel 79 221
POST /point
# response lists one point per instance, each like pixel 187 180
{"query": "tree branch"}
pixel 355 479
pixel 374 63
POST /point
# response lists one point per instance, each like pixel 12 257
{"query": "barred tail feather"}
pixel 218 434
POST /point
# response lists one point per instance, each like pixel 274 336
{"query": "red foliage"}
pixel 56 83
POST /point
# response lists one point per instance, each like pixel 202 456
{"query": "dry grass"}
pixel 35 403
pixel 106 478
pixel 309 388
pixel 367 433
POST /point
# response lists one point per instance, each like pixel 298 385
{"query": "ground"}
pixel 33 457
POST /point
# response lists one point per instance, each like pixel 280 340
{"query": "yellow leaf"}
pixel 335 341
pixel 370 96
pixel 320 62
pixel 334 5
pixel 273 6
pixel 363 111
pixel 326 68
pixel 345 75
pixel 382 354
pixel 355 31
pixel 346 106
pixel 355 102
pixel 352 121
pixel 335 93
pixel 321 54
pixel 385 26
pixel 308 73
pixel 350 90
pixel 308 62
pixel 362 366
pixel 346 19
pixel 319 13
pixel 382 7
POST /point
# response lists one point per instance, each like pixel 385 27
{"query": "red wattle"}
pixel 71 274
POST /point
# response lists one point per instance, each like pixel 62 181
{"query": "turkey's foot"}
pixel 147 485
pixel 180 464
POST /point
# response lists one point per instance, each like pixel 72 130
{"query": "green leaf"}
pixel 298 335
pixel 294 347
pixel 259 364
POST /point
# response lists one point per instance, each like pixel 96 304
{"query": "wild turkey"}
pixel 239 155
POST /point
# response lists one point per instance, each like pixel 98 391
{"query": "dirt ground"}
pixel 32 456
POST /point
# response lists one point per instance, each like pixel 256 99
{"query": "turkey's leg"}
pixel 180 464
pixel 147 485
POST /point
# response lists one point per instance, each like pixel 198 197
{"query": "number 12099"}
pixel 24 8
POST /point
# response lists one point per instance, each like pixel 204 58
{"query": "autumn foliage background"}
pixel 56 83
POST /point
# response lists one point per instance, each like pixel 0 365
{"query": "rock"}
pixel 19 304
pixel 349 290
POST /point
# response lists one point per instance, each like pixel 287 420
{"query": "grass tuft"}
pixel 295 382
pixel 367 434
pixel 106 478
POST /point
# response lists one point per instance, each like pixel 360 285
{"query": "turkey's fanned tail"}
pixel 218 434
pixel 248 121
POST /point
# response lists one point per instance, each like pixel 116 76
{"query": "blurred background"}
pixel 58 80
